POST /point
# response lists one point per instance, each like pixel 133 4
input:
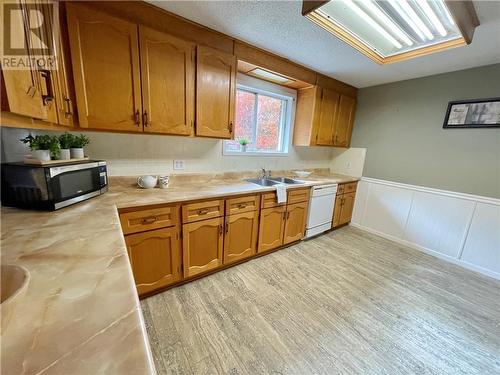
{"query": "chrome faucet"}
pixel 264 173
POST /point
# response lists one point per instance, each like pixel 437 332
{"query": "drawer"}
pixel 340 189
pixel 269 200
pixel 242 204
pixel 350 187
pixel 148 219
pixel 202 210
pixel 298 195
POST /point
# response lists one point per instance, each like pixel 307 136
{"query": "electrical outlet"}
pixel 179 164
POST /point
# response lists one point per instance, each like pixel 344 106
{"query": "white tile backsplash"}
pixel 135 154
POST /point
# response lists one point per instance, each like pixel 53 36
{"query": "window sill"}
pixel 251 153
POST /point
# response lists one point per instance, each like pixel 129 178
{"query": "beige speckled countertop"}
pixel 80 313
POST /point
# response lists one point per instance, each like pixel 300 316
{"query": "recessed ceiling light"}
pixel 270 76
pixel 394 30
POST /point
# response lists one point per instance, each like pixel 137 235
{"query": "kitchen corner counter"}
pixel 80 312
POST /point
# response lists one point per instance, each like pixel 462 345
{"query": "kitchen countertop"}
pixel 80 312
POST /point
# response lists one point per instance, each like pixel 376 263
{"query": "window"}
pixel 263 118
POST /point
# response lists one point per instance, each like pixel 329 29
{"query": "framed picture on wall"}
pixel 478 113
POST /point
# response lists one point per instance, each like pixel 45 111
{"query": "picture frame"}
pixel 476 113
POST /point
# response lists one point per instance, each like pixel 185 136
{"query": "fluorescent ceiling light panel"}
pixel 392 30
pixel 432 16
pixel 269 76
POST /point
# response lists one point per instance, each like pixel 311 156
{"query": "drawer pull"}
pixel 242 205
pixel 203 212
pixel 149 220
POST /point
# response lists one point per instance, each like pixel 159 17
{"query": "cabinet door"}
pixel 240 240
pixel 271 227
pixel 23 87
pixel 347 207
pixel 202 245
pixel 327 117
pixel 215 93
pixel 54 82
pixel 105 56
pixel 337 210
pixel 155 257
pixel 345 120
pixel 295 225
pixel 167 75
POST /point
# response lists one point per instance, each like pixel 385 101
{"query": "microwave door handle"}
pixel 54 171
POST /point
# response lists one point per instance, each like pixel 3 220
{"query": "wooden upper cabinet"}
pixel 215 93
pixel 327 117
pixel 323 118
pixel 155 257
pixel 202 245
pixel 240 240
pixel 23 88
pixel 271 226
pixel 307 116
pixel 295 225
pixel 105 56
pixel 168 83
pixel 345 120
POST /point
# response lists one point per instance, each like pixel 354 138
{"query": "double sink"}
pixel 271 181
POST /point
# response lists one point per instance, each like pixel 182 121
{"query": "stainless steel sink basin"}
pixel 286 180
pixel 262 181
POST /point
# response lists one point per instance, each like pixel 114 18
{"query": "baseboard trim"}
pixel 431 252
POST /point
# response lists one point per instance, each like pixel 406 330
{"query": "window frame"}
pixel 261 87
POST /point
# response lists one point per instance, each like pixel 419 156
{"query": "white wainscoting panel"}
pixel 461 228
pixel 386 209
pixel 439 222
pixel 360 201
pixel 482 247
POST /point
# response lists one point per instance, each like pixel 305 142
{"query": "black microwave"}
pixel 52 187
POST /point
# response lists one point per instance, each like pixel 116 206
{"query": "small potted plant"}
pixel 65 141
pixel 77 145
pixel 43 146
pixel 243 142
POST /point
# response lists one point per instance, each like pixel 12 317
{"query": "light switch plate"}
pixel 179 164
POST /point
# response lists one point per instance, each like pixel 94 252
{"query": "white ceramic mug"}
pixel 147 182
pixel 163 181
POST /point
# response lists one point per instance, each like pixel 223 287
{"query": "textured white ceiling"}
pixel 279 27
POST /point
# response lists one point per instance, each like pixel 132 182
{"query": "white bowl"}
pixel 302 174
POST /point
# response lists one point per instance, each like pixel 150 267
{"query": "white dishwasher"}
pixel 319 217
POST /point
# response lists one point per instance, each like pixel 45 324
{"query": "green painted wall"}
pixel 401 125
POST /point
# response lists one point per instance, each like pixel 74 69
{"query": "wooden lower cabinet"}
pixel 155 257
pixel 295 224
pixel 337 210
pixel 202 245
pixel 344 205
pixel 347 207
pixel 271 227
pixel 240 240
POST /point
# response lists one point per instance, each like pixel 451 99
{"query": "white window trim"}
pixel 270 89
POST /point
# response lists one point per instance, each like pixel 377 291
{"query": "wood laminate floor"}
pixel 347 302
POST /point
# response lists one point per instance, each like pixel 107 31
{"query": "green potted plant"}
pixel 65 141
pixel 243 142
pixel 43 146
pixel 77 145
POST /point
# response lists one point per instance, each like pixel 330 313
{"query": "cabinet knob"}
pixel 202 212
